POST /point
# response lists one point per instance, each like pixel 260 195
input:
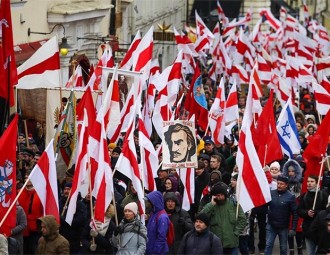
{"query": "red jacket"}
pixel 33 209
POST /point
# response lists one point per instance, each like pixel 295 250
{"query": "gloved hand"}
pixel 292 233
pixel 93 233
pixel 119 229
pixel 93 247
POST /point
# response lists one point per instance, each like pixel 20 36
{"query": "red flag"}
pixel 8 175
pixel 265 137
pixel 44 180
pixel 8 70
pixel 316 150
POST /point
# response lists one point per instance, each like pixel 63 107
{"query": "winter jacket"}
pixel 224 224
pixel 31 204
pixel 306 202
pixel 157 225
pixel 200 243
pixel 53 242
pixel 21 224
pixel 280 208
pixel 133 240
pixel 180 219
pixel 102 240
pixel 3 245
pixel 295 181
pixel 74 232
pixel 317 225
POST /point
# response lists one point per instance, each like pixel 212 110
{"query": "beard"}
pixel 219 201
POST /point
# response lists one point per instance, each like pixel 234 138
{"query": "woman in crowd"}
pixel 130 236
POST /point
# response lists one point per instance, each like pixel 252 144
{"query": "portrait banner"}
pixel 179 144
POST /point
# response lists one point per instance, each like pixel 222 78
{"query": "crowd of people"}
pixel 215 223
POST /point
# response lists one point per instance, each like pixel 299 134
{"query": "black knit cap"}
pixel 219 188
pixel 203 217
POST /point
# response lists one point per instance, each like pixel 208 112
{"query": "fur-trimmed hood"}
pixel 298 170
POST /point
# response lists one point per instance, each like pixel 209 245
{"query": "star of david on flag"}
pixel 287 131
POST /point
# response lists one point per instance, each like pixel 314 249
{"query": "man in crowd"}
pixel 223 220
pixel 281 209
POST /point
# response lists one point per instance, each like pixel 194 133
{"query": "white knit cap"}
pixel 275 164
pixel 132 207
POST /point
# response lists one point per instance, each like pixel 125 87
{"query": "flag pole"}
pixel 318 183
pixel 26 135
pixel 238 191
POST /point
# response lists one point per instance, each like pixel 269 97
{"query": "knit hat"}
pixel 276 165
pixel 203 217
pixel 283 179
pixel 132 207
pixel 310 116
pixel 219 188
pixel 117 150
pixel 234 176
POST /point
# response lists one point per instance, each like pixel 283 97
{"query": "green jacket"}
pixel 223 222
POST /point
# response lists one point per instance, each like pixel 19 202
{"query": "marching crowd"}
pixel 215 223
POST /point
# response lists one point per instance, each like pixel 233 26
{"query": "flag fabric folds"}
pixel 44 180
pixel 8 175
pixel 287 131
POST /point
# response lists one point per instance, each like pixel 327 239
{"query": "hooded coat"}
pixel 180 219
pixel 294 185
pixel 158 224
pixel 53 242
pixel 175 187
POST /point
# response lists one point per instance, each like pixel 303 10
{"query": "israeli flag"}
pixel 287 131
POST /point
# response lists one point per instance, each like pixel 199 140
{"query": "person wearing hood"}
pixel 171 185
pixel 130 236
pixel 179 217
pixel 215 177
pixel 293 172
pixel 51 242
pixel 200 240
pixel 158 224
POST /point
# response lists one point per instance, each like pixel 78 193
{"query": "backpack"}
pixel 170 232
pixel 13 246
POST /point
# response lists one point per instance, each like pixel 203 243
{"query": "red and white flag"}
pixel 127 164
pixel 322 98
pixel 44 179
pixel 272 21
pixel 8 70
pixel 80 182
pixel 254 188
pixel 8 143
pixel 216 115
pixel 76 79
pixel 127 61
pixel 187 176
pixel 42 69
pixel 231 110
pixel 149 158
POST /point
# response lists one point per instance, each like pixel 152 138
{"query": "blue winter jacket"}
pixel 280 208
pixel 157 226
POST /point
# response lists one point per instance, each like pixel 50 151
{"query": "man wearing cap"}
pixel 208 147
pixel 200 240
pixel 281 209
pixel 223 221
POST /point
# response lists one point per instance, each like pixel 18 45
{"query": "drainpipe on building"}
pixel 112 28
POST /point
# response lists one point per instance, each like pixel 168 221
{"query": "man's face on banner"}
pixel 180 146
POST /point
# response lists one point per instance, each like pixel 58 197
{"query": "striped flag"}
pixel 44 180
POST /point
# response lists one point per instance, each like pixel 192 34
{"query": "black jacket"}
pixel 280 208
pixel 200 243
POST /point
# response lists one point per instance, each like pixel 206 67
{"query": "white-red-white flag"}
pixel 322 98
pixel 187 176
pixel 44 179
pixel 42 69
pixel 127 61
pixel 254 188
